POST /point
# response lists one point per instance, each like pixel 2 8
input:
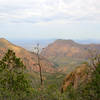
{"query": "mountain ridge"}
pixel 67 53
pixel 65 45
pixel 29 58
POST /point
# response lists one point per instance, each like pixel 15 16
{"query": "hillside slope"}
pixel 75 78
pixel 68 53
pixel 68 48
pixel 28 58
pixel 83 83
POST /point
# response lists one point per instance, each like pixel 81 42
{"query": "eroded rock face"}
pixel 77 77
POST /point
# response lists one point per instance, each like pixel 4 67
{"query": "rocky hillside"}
pixel 79 76
pixel 28 58
pixel 68 48
pixel 68 53
pixel 83 83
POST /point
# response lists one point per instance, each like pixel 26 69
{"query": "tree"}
pixel 91 89
pixel 37 50
pixel 94 59
pixel 14 83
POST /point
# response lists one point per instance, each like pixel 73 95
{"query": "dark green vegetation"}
pixel 17 83
pixel 14 84
pixel 87 91
pixel 51 86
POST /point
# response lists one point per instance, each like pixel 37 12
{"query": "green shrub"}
pixel 14 84
pixel 89 91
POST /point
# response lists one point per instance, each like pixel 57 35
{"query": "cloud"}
pixel 36 11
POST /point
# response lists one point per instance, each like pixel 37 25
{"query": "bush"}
pixel 89 91
pixel 14 84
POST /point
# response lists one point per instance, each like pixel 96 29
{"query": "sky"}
pixel 45 19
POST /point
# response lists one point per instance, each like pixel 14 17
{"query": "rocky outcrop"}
pixel 81 75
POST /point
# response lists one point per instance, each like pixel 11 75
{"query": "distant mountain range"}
pixel 28 58
pixel 64 55
pixel 67 53
pixel 30 43
pixel 69 48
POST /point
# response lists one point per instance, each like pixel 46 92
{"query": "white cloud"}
pixel 49 10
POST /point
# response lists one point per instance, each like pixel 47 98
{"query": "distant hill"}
pixel 68 48
pixel 68 53
pixel 28 58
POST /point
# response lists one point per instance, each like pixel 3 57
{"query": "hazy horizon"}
pixel 30 43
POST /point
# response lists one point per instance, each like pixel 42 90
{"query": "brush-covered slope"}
pixel 68 53
pixel 77 77
pixel 83 83
pixel 28 58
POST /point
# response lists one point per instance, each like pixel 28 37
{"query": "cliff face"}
pixel 81 75
pixel 29 58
